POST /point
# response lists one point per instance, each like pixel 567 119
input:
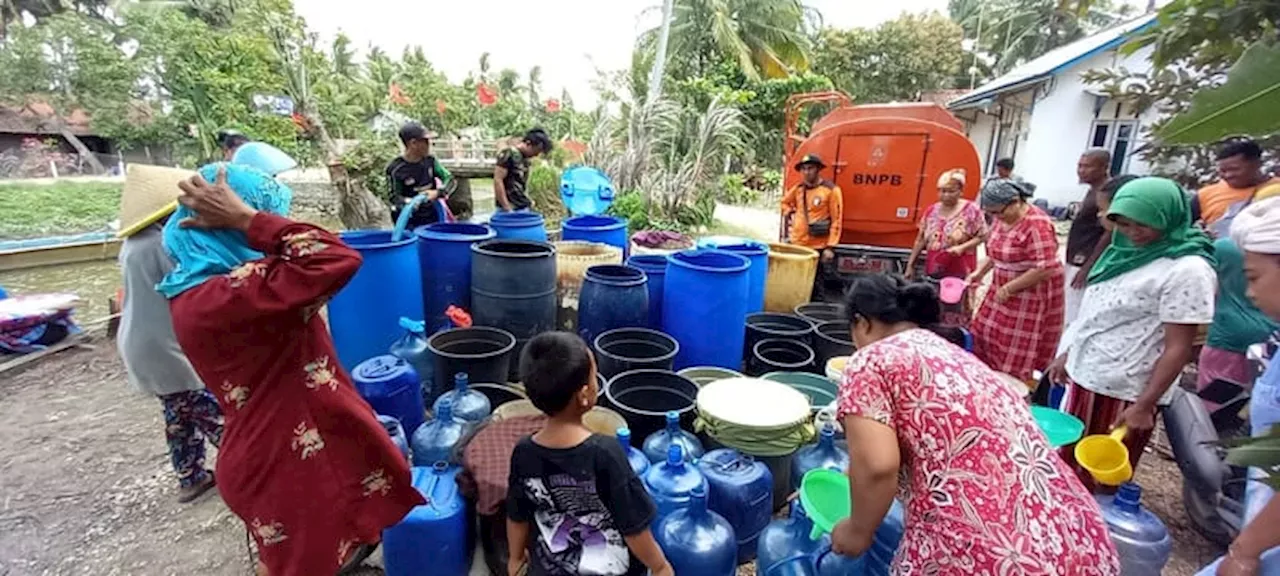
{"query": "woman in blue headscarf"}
pixel 304 461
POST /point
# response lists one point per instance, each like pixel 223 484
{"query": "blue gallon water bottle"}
pixel 435 440
pixel 396 432
pixel 468 404
pixel 672 482
pixel 825 454
pixel 1140 537
pixel 412 348
pixel 432 538
pixel 784 547
pixel 741 490
pixel 696 540
pixel 639 463
pixel 656 446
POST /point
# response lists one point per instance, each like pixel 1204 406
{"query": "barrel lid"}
pixel 381 369
pixel 586 190
pixel 455 232
pixel 753 402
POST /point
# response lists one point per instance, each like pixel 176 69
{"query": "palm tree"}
pixel 765 38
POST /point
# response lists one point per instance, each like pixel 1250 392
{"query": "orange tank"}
pixel 886 159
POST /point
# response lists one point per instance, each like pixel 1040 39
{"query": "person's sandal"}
pixel 362 553
pixel 190 493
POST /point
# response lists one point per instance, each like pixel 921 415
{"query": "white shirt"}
pixel 1113 345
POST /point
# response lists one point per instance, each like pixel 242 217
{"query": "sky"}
pixel 569 39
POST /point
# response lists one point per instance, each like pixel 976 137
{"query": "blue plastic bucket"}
pixel 519 226
pixel 757 253
pixel 609 230
pixel 655 267
pixel 364 317
pixel 704 307
pixel 444 251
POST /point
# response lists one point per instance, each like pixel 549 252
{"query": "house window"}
pixel 1115 136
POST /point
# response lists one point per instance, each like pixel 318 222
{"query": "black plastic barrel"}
pixel 513 287
pixel 819 312
pixel 765 325
pixel 778 355
pixel 612 296
pixel 831 339
pixel 625 349
pixel 484 354
pixel 643 398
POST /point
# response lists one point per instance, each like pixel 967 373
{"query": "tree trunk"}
pixel 84 152
pixel 358 209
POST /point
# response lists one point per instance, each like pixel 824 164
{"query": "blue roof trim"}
pixel 968 100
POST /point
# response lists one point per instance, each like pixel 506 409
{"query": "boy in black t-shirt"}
pixel 574 506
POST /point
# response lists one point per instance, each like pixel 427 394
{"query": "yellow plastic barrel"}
pixel 792 270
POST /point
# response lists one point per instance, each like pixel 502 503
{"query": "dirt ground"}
pixel 86 487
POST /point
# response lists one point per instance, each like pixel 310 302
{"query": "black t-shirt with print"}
pixel 579 503
pixel 405 179
pixel 517 177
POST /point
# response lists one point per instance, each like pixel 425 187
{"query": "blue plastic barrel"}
pixel 612 296
pixel 432 538
pixel 444 251
pixel 609 230
pixel 742 492
pixel 655 269
pixel 758 254
pixel 364 317
pixel 391 387
pixel 704 307
pixel 519 226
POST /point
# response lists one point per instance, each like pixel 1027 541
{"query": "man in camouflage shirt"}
pixel 511 174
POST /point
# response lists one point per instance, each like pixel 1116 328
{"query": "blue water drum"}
pixel 758 254
pixel 444 251
pixel 364 316
pixel 704 307
pixel 658 444
pixel 392 388
pixel 468 405
pixel 610 230
pixel 696 540
pixel 513 287
pixel 671 483
pixel 741 490
pixel 432 538
pixel 612 296
pixel 825 454
pixel 396 432
pixel 639 462
pixel 1140 537
pixel 436 439
pixel 655 269
pixel 519 226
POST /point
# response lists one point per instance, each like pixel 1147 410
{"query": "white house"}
pixel 1043 115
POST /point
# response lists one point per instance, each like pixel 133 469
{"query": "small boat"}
pixel 54 250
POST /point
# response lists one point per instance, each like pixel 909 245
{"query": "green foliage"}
pixel 65 207
pixel 1260 452
pixel 366 163
pixel 544 189
pixel 895 61
pixel 1246 104
pixel 733 190
pixel 760 38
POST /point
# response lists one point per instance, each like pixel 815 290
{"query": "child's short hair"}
pixel 554 366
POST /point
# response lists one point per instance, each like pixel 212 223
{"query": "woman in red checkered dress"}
pixel 1016 329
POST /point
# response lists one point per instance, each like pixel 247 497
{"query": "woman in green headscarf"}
pixel 1148 294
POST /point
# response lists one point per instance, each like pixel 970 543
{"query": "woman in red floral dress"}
pixel 1016 329
pixel 984 492
pixel 303 462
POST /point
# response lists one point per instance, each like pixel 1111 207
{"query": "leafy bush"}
pixel 366 164
pixel 733 190
pixel 544 189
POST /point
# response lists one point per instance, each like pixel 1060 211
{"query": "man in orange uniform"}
pixel 1240 170
pixel 816 209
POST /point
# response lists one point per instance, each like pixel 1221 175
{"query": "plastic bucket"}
pixel 519 226
pixel 444 253
pixel 613 296
pixel 599 419
pixel 655 268
pixel 364 316
pixel 757 253
pixel 835 368
pixel 819 312
pixel 1105 457
pixel 480 352
pixel 704 307
pixel 643 398
pixel 789 283
pixel 819 390
pixel 765 325
pixel 1059 427
pixel 609 230
pixel 825 497
pixel 573 258
pixel 831 340
pixel 703 375
pixel 626 349
pixel 513 287
pixel 779 355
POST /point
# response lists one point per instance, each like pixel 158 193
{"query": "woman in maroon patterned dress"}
pixel 1016 329
pixel 303 459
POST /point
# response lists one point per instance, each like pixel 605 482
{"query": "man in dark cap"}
pixel 416 172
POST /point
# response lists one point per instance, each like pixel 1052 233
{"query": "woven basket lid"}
pixel 150 193
pixel 754 403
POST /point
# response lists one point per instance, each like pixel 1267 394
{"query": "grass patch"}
pixel 34 210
